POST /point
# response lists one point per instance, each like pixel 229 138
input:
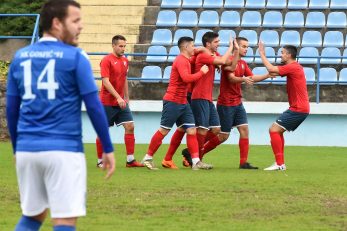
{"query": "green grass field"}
pixel 310 195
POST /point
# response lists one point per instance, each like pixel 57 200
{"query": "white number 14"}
pixel 50 85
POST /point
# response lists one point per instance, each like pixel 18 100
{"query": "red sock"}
pixel 210 135
pixel 244 147
pixel 282 138
pixel 155 143
pixel 99 148
pixel 201 142
pixel 193 146
pixel 129 140
pixel 174 144
pixel 276 144
pixel 211 144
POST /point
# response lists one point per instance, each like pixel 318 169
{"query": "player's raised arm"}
pixel 223 60
pixel 273 70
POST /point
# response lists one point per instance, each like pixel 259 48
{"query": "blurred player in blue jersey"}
pixel 47 82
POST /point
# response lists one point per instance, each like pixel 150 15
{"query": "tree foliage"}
pixel 3 69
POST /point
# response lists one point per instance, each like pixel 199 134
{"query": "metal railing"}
pixel 35 35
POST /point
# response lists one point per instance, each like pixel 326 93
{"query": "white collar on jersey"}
pixel 49 39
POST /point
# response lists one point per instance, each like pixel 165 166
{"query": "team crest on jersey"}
pixel 125 63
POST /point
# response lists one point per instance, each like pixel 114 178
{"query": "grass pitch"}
pixel 310 195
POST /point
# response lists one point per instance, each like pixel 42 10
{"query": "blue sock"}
pixel 28 224
pixel 64 228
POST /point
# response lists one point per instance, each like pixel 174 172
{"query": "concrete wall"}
pixel 325 126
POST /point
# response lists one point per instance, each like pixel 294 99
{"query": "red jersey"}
pixel 192 64
pixel 180 76
pixel 230 93
pixel 115 68
pixel 203 88
pixel 296 87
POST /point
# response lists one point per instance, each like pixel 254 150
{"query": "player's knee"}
pixel 129 128
pixel 215 130
pixel 223 137
pixel 191 131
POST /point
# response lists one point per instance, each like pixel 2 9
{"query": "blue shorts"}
pixel 231 116
pixel 290 120
pixel 118 116
pixel 205 114
pixel 172 113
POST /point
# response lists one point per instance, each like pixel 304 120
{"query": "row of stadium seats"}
pixel 327 75
pixel 159 54
pixel 256 4
pixel 269 37
pixel 272 19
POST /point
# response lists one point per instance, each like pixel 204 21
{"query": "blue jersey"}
pixel 50 77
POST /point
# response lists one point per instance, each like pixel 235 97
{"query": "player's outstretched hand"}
pixel 236 45
pixel 109 163
pixel 261 47
pixel 248 80
pixel 121 102
pixel 204 69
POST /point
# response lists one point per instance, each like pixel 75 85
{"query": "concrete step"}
pixel 104 38
pixel 117 11
pixel 114 3
pixel 110 19
pixel 116 29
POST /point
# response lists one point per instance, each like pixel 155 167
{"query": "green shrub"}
pixel 4 69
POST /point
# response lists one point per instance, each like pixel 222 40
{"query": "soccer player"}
pixel 177 110
pixel 230 108
pixel 205 114
pixel 114 96
pixel 47 82
pixel 299 106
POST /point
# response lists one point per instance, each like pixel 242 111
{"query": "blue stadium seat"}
pixel 173 51
pixel 297 4
pixel 187 18
pixel 276 4
pixel 209 18
pixel 224 36
pixel 259 71
pixel 333 39
pixel 230 19
pixel 222 49
pixel 166 18
pixel 308 51
pixel 290 37
pixel 331 52
pixel 249 53
pixel 251 35
pixel 338 4
pixel 171 3
pixel 273 19
pixel 270 38
pixel 213 4
pixel 217 75
pixel 192 4
pixel 269 51
pixel 343 76
pixel 327 75
pixel 311 39
pixel 319 4
pixel 151 74
pixel 157 50
pixel 255 4
pixel 198 36
pixel 310 75
pixel 315 20
pixel 344 60
pixel 337 20
pixel 237 4
pixel 251 19
pixel 162 37
pixel 294 19
pixel 182 33
pixel 167 72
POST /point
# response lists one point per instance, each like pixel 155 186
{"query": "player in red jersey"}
pixel 114 96
pixel 299 106
pixel 229 105
pixel 205 114
pixel 177 110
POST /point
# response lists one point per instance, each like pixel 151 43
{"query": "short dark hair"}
pixel 238 39
pixel 184 40
pixel 292 50
pixel 118 37
pixel 208 37
pixel 55 9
